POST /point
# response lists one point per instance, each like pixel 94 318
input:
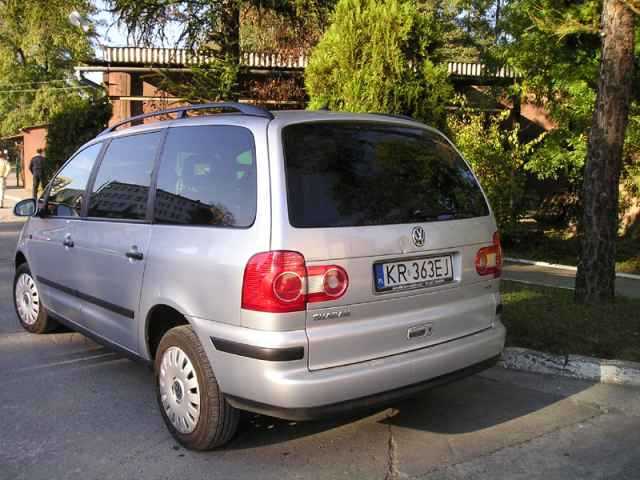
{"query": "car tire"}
pixel 192 405
pixel 32 314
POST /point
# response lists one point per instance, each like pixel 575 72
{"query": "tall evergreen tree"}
pixel 212 29
pixel 381 56
pixel 213 25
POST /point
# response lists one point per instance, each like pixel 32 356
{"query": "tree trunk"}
pixel 595 281
pixel 497 30
pixel 230 29
pixel 223 31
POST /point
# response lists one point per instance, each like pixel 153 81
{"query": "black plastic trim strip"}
pixel 287 354
pixel 349 407
pixel 103 341
pixel 125 312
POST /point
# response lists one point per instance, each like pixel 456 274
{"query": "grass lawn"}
pixel 546 319
pixel 555 246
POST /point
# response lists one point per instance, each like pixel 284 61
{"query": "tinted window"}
pixel 352 174
pixel 67 188
pixel 207 177
pixel 121 188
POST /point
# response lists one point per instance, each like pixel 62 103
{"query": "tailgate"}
pixel 399 210
pixel 367 324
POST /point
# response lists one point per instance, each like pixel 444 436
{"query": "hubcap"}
pixel 27 299
pixel 179 390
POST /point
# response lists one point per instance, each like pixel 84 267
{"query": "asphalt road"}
pixel 71 409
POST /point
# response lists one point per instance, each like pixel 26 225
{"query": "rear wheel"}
pixel 192 405
pixel 29 308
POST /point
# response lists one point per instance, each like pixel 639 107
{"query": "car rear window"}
pixel 355 174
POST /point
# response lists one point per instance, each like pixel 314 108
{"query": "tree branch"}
pixel 634 5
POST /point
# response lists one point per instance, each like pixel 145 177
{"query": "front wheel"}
pixel 192 405
pixel 26 298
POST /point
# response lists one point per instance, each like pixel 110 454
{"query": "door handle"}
pixel 68 241
pixel 134 253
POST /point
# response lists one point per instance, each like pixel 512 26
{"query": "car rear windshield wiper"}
pixel 443 215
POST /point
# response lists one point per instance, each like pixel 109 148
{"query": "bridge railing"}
pixel 178 56
pixel 171 57
pixel 466 69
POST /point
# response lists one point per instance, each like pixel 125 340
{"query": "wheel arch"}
pixel 159 320
pixel 20 258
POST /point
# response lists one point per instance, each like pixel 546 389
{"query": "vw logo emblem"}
pixel 417 233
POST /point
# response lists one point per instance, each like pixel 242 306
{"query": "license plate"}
pixel 413 273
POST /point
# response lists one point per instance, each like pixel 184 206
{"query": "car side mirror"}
pixel 25 208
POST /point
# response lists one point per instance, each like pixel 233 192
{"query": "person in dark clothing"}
pixel 36 167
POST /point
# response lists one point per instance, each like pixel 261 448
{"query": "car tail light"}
pixel 326 283
pixel 489 259
pixel 274 282
pixel 280 282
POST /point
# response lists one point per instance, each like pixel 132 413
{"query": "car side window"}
pixel 121 187
pixel 207 176
pixel 67 188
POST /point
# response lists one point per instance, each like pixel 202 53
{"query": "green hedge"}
pixel 77 122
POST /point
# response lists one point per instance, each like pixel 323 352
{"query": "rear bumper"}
pixel 357 404
pixel 288 389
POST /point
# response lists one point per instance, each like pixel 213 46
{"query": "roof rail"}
pixel 244 109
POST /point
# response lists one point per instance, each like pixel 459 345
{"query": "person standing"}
pixel 5 168
pixel 36 167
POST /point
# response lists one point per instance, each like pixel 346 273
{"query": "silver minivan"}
pixel 295 264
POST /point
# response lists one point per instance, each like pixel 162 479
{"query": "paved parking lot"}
pixel 71 409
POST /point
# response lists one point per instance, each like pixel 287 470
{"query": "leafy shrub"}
pixel 213 81
pixel 630 199
pixel 79 120
pixel 497 157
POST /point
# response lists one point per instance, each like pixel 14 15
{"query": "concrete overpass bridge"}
pixel 132 76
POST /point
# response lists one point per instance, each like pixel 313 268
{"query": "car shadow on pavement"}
pixel 259 430
pixel 470 405
pixel 475 404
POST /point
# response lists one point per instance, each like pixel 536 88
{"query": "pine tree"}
pixel 381 56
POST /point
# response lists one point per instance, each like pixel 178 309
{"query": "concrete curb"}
pixel 615 372
pixel 562 267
